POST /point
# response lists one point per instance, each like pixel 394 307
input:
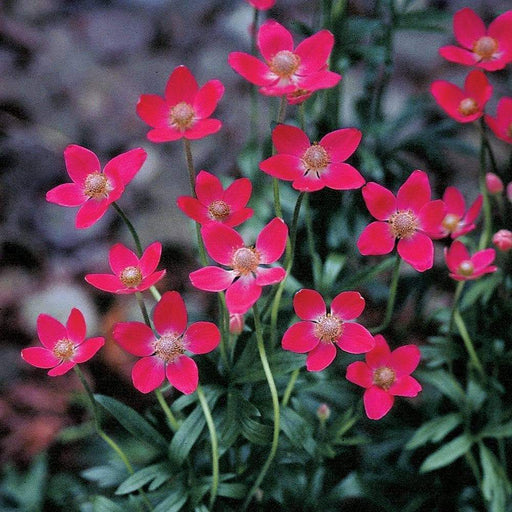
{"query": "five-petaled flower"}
pixel 463 105
pixel 165 354
pixel 320 331
pixel 246 276
pixel 93 189
pixel 131 274
pixel 184 111
pixel 312 167
pixel 501 125
pixel 411 217
pixel 489 49
pixel 464 267
pixel 457 221
pixel 64 346
pixel 385 374
pixel 286 69
pixel 214 204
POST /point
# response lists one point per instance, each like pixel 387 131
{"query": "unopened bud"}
pixel 503 240
pixel 509 191
pixel 493 183
pixel 236 323
pixel 323 412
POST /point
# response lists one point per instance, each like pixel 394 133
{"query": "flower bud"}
pixel 493 183
pixel 509 191
pixel 323 412
pixel 236 323
pixel 503 240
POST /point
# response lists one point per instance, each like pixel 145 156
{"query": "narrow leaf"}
pixel 434 430
pixel 447 453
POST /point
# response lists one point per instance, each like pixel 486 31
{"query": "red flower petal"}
pixel 300 337
pixel 377 402
pixel 181 86
pixel 221 242
pixel 170 315
pixel 150 280
pixel 75 326
pixel 50 330
pixel 127 165
pixel 454 201
pixel 431 216
pixel 80 162
pixel 148 373
pixel 237 195
pixel 376 239
pixel 483 258
pixel 418 251
pixel 271 241
pixel 448 96
pixel 379 355
pixel 477 86
pixel 468 27
pixel 284 167
pixel 67 194
pixel 308 183
pixel 267 276
pixel 314 51
pixel 203 128
pixel 290 140
pixel 458 55
pixel 250 68
pixel 61 369
pixel 150 259
pixel 212 279
pixel 342 177
pixel 405 386
pixel 87 349
pixel 272 38
pixel 381 203
pixel 201 337
pixel 474 210
pixel 135 337
pixel 90 212
pixel 359 373
pixel 183 374
pixel 321 357
pixel 120 257
pixel 238 217
pixel 309 304
pixel 164 134
pixel 208 188
pixel 347 305
pixel 153 110
pixel 341 144
pixel 242 294
pixel 355 339
pixel 414 193
pixel 40 357
pixel 194 209
pixel 455 255
pixel 404 360
pixel 207 98
pixel 108 283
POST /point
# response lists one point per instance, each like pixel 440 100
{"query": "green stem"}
pixel 224 327
pixel 173 422
pixel 190 166
pixel 143 309
pixel 461 326
pixel 485 237
pixel 316 262
pixel 275 404
pixel 455 305
pixel 289 387
pixel 130 227
pixel 215 447
pixel 391 298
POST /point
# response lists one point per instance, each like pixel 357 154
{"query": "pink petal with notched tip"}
pixel 87 349
pixel 107 283
pixel 221 242
pixel 207 98
pixel 290 140
pixel 242 294
pixel 342 177
pixel 355 339
pixel 202 128
pixel 61 369
pixel 201 337
pixel 212 279
pixel 208 188
pixel 273 38
pixel 238 217
pixel 268 276
pixel 405 386
pixel 80 162
pixel 318 80
pixel 379 355
pixel 153 110
pixel 67 194
pixel 359 373
pixel 165 134
pixel 170 315
pixel 284 167
pixel 75 326
pixel 183 374
pixel 341 144
pixel 194 209
pixel 271 241
pixel 300 337
pixel 181 87
pixel 474 210
pixel 377 402
pixel 127 165
pixel 454 201
pixel 314 52
pixel 448 96
pixel 404 360
pixel 250 68
pixel 135 337
pixel 499 29
pixel 376 239
pixel 477 86
pixel 50 330
pixel 150 259
pixel 321 357
pixel 468 27
pixel 91 212
pixel 120 257
pixel 40 357
pixel 237 195
pixel 309 304
pixel 381 203
pixel 418 251
pixel 148 373
pixel 347 305
pixel 414 193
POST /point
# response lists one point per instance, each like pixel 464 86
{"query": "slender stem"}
pixel 281 115
pixel 391 298
pixel 461 326
pixel 455 305
pixel 130 227
pixel 143 309
pixel 200 244
pixel 275 404
pixel 485 237
pixel 190 166
pixel 316 262
pixel 289 387
pixel 173 422
pixel 215 447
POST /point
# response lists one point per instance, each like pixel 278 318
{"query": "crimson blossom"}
pixel 64 346
pixel 489 49
pixel 131 274
pixel 411 217
pixel 244 280
pixel 184 111
pixel 93 189
pixel 262 5
pixel 164 355
pixel 285 69
pixel 501 125
pixel 214 204
pixel 320 332
pixel 464 267
pixel 312 167
pixel 385 374
pixel 463 105
pixel 457 221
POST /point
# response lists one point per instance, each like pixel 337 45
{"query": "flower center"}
pixel 403 224
pixel 219 210
pixel 245 260
pixel 169 347
pixel 466 268
pixel 315 159
pixel 131 277
pixel 181 116
pixel 96 186
pixel 64 349
pixel 284 63
pixel 328 328
pixel 451 222
pixel 468 107
pixel 485 47
pixel 384 377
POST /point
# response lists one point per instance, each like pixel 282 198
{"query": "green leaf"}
pixel 105 476
pixel 256 432
pixel 495 484
pixel 434 430
pixel 186 436
pixel 102 504
pixel 483 288
pixel 447 453
pixel 236 491
pixel 132 421
pixel 445 383
pixel 427 20
pixel 174 502
pixel 498 431
pixel 280 362
pixel 298 430
pixel 143 476
pixel 332 267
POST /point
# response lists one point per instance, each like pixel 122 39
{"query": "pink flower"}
pixel 93 189
pixel 385 375
pixel 501 125
pixel 489 49
pixel 131 274
pixel 262 5
pixel 246 276
pixel 509 191
pixel 164 355
pixel 502 239
pixel 464 267
pixel 185 111
pixel 464 105
pixel 320 331
pixel 63 345
pixel 314 166
pixel 493 183
pixel 286 69
pixel 457 221
pixel 410 217
pixel 214 204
